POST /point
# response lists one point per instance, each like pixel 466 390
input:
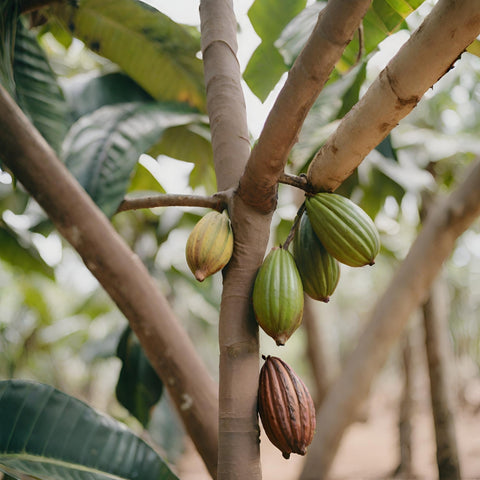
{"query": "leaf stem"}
pixel 295 224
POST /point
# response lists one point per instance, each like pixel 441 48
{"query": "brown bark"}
pixel 118 270
pixel 435 321
pixel 404 469
pixel 429 53
pixel 315 351
pixel 216 202
pixel 239 453
pixel 334 30
pixel 406 291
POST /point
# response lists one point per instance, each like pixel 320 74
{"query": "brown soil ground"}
pixel 369 450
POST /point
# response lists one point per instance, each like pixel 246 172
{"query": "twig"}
pixel 218 201
pixel 299 181
pixel 294 228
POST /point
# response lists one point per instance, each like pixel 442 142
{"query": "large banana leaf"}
pixel 383 18
pixel 102 149
pixel 159 54
pixel 49 435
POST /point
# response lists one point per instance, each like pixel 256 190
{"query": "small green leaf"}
pixel 266 66
pixel 138 387
pixel 49 435
pixel 144 181
pixel 264 70
pixel 102 149
pixel 269 17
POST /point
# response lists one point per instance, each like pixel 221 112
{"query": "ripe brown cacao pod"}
pixel 278 295
pixel 285 407
pixel 320 272
pixel 209 245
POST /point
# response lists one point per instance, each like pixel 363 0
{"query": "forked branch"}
pixel 429 53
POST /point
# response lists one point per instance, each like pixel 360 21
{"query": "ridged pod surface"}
pixel 209 245
pixel 319 271
pixel 286 407
pixel 343 228
pixel 278 295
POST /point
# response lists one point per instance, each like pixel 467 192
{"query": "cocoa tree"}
pixel 224 426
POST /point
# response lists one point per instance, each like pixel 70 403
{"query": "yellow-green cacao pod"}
pixel 278 295
pixel 285 407
pixel 318 270
pixel 209 245
pixel 343 228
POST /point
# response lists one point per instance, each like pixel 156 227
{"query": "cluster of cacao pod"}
pixel 210 245
pixel 332 230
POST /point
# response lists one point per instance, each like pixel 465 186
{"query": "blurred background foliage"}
pixel 58 326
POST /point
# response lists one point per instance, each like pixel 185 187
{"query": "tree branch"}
pixel 335 28
pixel 217 201
pixel 429 53
pixel 119 271
pixel 407 290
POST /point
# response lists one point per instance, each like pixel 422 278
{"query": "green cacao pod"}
pixel 285 407
pixel 209 245
pixel 278 295
pixel 318 270
pixel 343 228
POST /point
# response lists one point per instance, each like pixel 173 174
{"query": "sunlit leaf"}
pixel 264 70
pixel 159 54
pixel 138 387
pixel 102 149
pixel 21 253
pixel 49 435
pixel 265 67
pixel 144 181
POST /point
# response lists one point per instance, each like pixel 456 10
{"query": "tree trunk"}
pixel 315 351
pixel 404 469
pixel 438 349
pixel 406 292
pixel 119 271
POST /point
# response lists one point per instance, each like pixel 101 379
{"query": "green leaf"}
pixel 8 27
pixel 351 96
pixel 159 54
pixel 52 436
pixel 86 94
pixel 102 149
pixel 144 181
pixel 269 17
pixel 21 253
pixel 190 143
pixel 474 48
pixel 138 387
pixel 383 18
pixel 37 91
pixel 264 70
pixel 266 66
